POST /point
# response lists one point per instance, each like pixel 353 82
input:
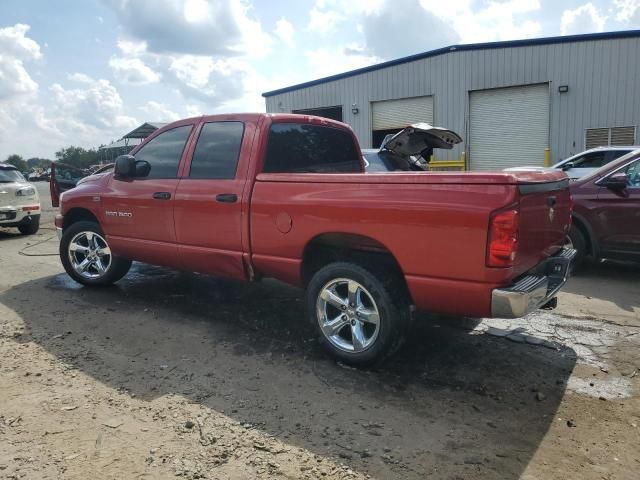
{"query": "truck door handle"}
pixel 551 201
pixel 227 198
pixel 162 195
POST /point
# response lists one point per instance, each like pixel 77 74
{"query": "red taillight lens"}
pixel 503 239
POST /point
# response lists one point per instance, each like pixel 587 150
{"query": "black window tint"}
pixel 301 148
pixel 617 154
pixel 591 160
pixel 217 150
pixel 163 152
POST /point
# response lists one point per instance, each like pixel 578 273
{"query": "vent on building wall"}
pixel 614 136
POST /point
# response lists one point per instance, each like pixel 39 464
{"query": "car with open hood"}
pixel 410 149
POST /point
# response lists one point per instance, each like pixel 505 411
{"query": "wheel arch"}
pixel 362 250
pixel 78 214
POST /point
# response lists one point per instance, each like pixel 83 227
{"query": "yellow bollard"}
pixel 547 157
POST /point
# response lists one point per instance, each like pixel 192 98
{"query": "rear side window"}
pixel 301 148
pixel 217 150
pixel 164 152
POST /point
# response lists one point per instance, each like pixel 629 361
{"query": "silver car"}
pixel 585 162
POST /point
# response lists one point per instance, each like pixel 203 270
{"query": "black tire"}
pixel 390 301
pixel 31 227
pixel 117 268
pixel 578 242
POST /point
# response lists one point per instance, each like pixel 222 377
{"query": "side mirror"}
pixel 142 168
pixel 568 166
pixel 125 167
pixel 617 181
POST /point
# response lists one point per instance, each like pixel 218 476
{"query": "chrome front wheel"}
pixel 347 315
pixel 89 255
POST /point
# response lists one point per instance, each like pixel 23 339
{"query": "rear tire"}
pixel 576 240
pixel 31 227
pixel 360 319
pixel 87 258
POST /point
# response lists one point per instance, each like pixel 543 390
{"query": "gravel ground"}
pixel 171 374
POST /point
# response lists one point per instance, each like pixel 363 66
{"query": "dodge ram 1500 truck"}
pixel 247 196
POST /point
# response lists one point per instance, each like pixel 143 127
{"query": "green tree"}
pixel 36 162
pixel 17 161
pixel 77 156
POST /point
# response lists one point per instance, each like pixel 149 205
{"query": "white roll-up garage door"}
pixel 509 127
pixel 390 114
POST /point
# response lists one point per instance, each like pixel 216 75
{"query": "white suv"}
pixel 19 202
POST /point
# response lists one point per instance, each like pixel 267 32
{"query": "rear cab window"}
pixel 306 148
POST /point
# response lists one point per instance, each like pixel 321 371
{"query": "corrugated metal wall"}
pixel 602 76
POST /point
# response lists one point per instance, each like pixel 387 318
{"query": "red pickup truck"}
pixel 286 196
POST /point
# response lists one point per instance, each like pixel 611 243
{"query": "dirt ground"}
pixel 171 374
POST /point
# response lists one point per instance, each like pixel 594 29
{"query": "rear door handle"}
pixel 162 195
pixel 227 198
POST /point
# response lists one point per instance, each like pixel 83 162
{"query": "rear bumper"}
pixel 537 288
pixel 14 217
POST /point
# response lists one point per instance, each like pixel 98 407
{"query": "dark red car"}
pixel 606 215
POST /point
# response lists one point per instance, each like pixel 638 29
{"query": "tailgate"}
pixel 545 218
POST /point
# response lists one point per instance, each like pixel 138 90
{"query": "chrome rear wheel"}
pixel 347 315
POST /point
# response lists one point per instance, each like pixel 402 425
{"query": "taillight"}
pixel 503 238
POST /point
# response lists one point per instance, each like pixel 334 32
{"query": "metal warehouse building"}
pixel 512 102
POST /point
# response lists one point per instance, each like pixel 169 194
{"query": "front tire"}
pixel 360 320
pixel 31 227
pixel 576 240
pixel 87 258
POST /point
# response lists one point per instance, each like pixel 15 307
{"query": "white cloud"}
pixel 15 49
pixel 98 106
pixel 402 27
pixel 79 77
pixel 133 71
pixel 493 21
pixel 323 21
pixel 285 31
pixel 195 27
pixel 627 12
pixel 584 19
pixel 325 61
pixel 158 112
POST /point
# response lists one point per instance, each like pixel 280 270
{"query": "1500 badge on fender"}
pixel 118 214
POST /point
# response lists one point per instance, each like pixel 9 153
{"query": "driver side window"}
pixel 165 151
pixel 633 173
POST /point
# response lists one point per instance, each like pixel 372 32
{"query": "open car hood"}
pixel 420 136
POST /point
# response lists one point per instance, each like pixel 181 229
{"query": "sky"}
pixel 86 72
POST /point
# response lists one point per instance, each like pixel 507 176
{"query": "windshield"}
pixel 611 166
pixel 9 175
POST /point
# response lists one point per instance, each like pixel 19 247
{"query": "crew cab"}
pixel 286 196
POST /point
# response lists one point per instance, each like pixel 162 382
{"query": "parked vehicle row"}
pixel 286 196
